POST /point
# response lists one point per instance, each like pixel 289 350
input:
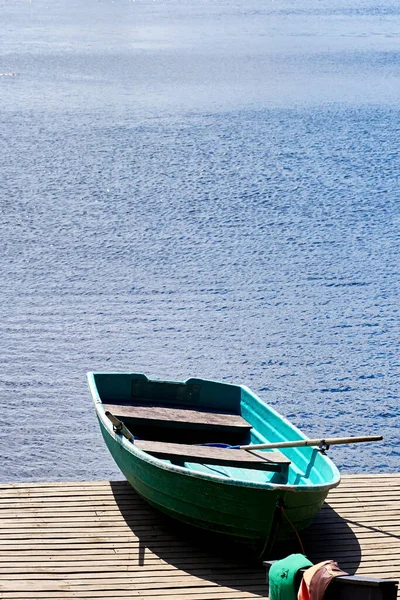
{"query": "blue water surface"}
pixel 198 188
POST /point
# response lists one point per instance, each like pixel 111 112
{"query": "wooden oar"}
pixel 119 426
pixel 323 442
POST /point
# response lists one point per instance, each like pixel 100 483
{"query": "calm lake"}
pixel 198 188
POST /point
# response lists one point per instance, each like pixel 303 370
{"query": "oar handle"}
pixel 318 442
pixel 119 426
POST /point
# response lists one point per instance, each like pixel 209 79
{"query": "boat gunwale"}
pixel 159 463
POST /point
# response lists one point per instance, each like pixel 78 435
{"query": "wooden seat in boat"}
pixel 265 461
pixel 154 415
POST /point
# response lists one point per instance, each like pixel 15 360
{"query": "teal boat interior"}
pixel 189 423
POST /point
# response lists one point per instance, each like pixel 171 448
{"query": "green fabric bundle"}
pixel 282 577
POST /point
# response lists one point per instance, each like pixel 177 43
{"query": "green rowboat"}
pixel 172 442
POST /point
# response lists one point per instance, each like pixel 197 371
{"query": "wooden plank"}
pixel 367 486
pixel 362 496
pixel 74 511
pixel 373 481
pixel 88 502
pixel 101 572
pixel 385 517
pixel 69 521
pixel 345 530
pixel 353 478
pixel 117 565
pixel 190 563
pixel 128 584
pixel 363 504
pixel 76 517
pixel 176 594
pixel 78 557
pixel 160 575
pixel 83 542
pixel 73 493
pixel 189 417
pixel 106 578
pixel 98 507
pixel 61 484
pixel 90 562
pixel 119 539
pixel 214 456
pixel 146 520
pixel 92 499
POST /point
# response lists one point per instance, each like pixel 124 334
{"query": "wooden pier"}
pixel 99 540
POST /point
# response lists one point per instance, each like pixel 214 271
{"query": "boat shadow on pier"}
pixel 160 539
pixel 331 536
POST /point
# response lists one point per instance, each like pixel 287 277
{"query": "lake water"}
pixel 198 188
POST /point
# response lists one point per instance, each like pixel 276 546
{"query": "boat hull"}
pixel 245 514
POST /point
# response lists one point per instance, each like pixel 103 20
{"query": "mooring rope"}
pixel 294 529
